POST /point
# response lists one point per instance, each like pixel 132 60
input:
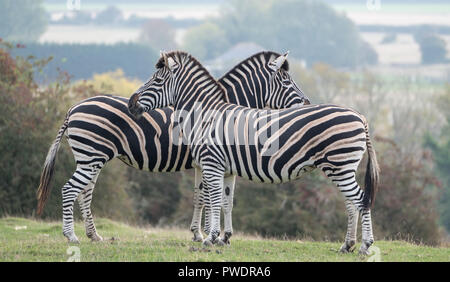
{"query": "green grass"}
pixel 43 241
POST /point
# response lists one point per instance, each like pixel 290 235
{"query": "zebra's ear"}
pixel 276 64
pixel 171 64
pixel 162 60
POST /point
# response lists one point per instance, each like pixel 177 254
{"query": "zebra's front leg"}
pixel 352 228
pixel 207 226
pixel 227 205
pixel 198 206
pixel 213 182
pixel 84 200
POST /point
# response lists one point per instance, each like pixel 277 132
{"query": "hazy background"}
pixel 390 60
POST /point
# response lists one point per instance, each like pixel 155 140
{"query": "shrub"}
pixel 432 48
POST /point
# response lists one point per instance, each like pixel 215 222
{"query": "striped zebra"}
pixel 101 128
pixel 272 146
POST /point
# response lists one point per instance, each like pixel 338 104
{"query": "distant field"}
pixel 397 14
pixel 159 10
pixel 89 34
pixel 28 240
pixel 404 51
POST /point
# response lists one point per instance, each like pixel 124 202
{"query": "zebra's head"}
pixel 158 91
pixel 283 92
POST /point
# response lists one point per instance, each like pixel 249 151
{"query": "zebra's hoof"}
pixel 73 239
pixel 197 238
pixel 220 242
pixel 347 247
pixel 207 243
pixel 96 238
pixel 227 236
pixel 364 249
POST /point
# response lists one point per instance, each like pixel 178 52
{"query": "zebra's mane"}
pixel 179 56
pixel 266 54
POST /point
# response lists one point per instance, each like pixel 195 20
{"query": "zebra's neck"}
pixel 197 90
pixel 251 76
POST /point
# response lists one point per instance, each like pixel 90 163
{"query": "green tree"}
pixel 440 146
pixel 22 20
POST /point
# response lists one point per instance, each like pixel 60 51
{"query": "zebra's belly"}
pixel 262 173
pixel 170 164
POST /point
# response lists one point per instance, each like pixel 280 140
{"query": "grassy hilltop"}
pixel 29 240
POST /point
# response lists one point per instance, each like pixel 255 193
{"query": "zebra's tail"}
pixel 372 173
pixel 49 165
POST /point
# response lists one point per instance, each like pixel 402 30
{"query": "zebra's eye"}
pixel 286 82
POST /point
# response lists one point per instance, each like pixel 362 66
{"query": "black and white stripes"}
pixel 101 128
pixel 262 145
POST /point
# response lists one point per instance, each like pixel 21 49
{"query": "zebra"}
pixel 272 146
pixel 100 128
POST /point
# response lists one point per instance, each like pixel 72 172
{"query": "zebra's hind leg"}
pixel 70 192
pixel 352 228
pixel 84 200
pixel 346 182
pixel 198 207
pixel 367 234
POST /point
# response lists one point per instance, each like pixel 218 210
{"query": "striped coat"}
pixel 271 146
pixel 101 128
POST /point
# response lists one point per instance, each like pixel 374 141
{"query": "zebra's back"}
pixel 101 128
pixel 278 146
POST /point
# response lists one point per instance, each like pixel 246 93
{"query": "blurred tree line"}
pixel 432 47
pixel 30 115
pixel 411 200
pixel 312 30
pixel 440 146
pixel 84 60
